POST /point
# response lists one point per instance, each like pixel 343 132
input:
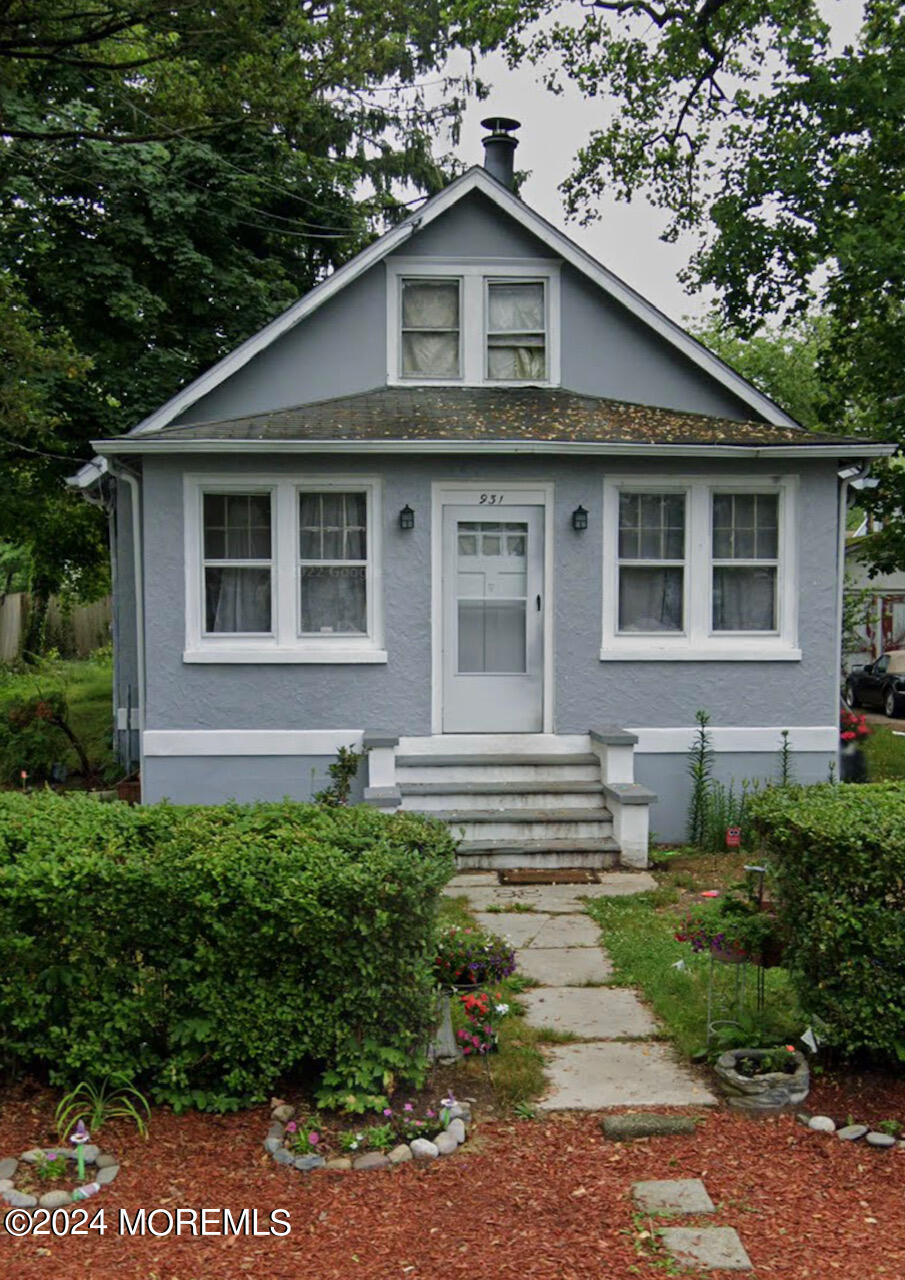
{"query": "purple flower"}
pixel 314 1137
pixel 408 1107
pixel 291 1127
pixel 388 1111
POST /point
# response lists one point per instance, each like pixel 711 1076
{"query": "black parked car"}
pixel 881 684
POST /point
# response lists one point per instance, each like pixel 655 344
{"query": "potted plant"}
pixel 737 928
pixel 763 1080
pixel 853 732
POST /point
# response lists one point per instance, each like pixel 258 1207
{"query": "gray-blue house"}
pixel 475 504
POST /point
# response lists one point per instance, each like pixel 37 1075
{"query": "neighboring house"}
pixel 877 604
pixel 477 505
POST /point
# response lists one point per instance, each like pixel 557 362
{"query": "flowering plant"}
pixel 853 728
pixel 482 1013
pixel 304 1136
pixel 467 957
pixel 736 927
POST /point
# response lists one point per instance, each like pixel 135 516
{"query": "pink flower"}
pixel 408 1107
pixel 291 1127
pixel 314 1137
pixel 388 1111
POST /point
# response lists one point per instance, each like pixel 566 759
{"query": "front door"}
pixel 493 619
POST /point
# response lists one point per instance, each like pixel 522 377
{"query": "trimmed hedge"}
pixel 839 859
pixel 208 951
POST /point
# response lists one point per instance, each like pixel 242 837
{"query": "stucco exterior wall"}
pixel 397 696
pixel 341 348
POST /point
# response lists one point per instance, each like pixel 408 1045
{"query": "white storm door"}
pixel 493 619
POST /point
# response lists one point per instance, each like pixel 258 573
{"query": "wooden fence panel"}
pixel 76 634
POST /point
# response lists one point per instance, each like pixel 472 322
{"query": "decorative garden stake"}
pixel 733 837
pixel 79 1137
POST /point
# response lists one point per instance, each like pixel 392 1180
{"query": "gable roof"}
pixel 475 179
pixel 466 419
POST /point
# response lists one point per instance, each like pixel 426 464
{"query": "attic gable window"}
pixel 430 329
pixel 516 331
pixel 473 322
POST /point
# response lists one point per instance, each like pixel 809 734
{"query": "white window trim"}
pixel 473 275
pixel 284 644
pixel 698 641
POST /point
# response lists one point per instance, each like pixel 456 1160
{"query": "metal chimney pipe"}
pixel 499 148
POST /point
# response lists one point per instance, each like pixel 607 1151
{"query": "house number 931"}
pixel 491 499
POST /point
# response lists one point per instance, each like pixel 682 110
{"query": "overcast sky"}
pixel 626 239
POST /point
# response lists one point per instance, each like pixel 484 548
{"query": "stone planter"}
pixel 772 1092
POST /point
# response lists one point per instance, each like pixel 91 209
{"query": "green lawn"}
pixel 88 686
pixel 885 755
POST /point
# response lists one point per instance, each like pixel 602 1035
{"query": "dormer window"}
pixel 430 328
pixel 473 323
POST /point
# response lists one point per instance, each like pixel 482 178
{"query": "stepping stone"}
pixel 592 1013
pixel 519 927
pixel 710 1248
pixel 564 966
pixel 567 931
pixel 676 1195
pixel 645 1124
pixel 592 1077
pixel 557 898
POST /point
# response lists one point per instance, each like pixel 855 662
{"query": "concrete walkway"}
pixel 614 1059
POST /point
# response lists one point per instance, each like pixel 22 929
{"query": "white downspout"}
pixel 131 480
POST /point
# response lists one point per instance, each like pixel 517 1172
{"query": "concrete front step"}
pixel 474 772
pixel 466 797
pixel 528 824
pixel 542 854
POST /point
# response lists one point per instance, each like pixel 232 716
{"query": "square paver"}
pixel 520 927
pixel 564 966
pixel 672 1195
pixel 710 1248
pixel 592 1077
pixel 593 1013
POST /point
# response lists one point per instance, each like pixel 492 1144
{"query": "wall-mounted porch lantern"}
pixel 579 519
pixel 406 518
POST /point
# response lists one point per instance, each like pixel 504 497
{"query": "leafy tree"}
pixel 781 361
pixel 784 154
pixel 172 175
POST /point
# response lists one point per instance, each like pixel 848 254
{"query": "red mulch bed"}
pixel 528 1199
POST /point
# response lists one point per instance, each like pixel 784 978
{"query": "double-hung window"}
pixel 333 560
pixel 283 570
pixel 430 328
pixel 238 563
pixel 516 331
pixel 699 568
pixel 473 323
pixel 651 562
pixel 745 561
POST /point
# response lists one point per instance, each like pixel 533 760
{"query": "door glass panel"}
pixel 491 586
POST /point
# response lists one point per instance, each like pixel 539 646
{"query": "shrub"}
pixel 839 862
pixel 205 952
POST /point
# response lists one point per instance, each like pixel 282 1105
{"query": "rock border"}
pixel 106 1166
pixel 853 1132
pixel 444 1143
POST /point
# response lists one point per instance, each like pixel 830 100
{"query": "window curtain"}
pixel 650 599
pixel 516 309
pixel 237 600
pixel 334 600
pixel 744 599
pixel 428 305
